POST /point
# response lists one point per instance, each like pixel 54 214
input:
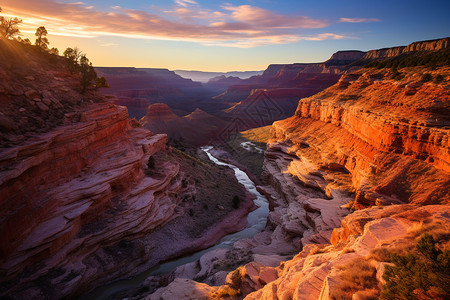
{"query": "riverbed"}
pixel 256 223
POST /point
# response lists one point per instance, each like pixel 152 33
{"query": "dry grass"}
pixel 348 250
pixel 225 292
pixel 434 227
pixel 319 249
pixel 380 254
pixel 368 294
pixel 357 276
pixel 259 135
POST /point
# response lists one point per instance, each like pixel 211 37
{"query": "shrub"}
pixel 380 254
pixel 184 183
pixel 421 274
pixel 426 77
pixel 225 292
pixel 235 202
pixel 439 78
pixel 357 275
pixel 396 75
pixel 151 162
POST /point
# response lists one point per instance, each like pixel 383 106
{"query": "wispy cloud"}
pixel 358 20
pixel 185 3
pixel 185 20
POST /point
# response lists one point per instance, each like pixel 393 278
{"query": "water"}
pixel 256 222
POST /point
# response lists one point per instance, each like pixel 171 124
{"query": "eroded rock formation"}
pixel 86 195
pixel 359 172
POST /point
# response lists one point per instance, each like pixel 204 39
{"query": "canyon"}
pixel 232 103
pixel 86 194
pixel 357 165
pixel 360 169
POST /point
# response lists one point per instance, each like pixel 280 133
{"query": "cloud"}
pixel 265 18
pixel 358 20
pixel 185 3
pixel 186 20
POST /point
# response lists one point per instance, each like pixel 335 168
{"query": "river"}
pixel 256 222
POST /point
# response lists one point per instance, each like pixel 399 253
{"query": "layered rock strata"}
pixel 81 202
pixel 360 169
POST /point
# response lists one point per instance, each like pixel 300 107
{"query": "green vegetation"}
pixel 251 157
pixel 77 62
pixel 427 59
pixel 41 40
pixel 421 274
pixel 87 72
pixel 258 135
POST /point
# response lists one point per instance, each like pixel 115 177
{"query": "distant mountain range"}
pixel 206 76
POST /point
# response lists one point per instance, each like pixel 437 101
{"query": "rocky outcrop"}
pixel 359 172
pixel 197 128
pixel 136 106
pixel 272 96
pixel 154 85
pixel 345 57
pixel 64 180
pixel 382 137
pixel 323 271
pixel 81 201
pixel 317 271
pixel 29 173
pixel 432 45
pixel 160 111
pixel 340 141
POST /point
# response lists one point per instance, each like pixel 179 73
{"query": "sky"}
pixel 229 35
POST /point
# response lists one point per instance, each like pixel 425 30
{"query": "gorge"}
pixel 356 167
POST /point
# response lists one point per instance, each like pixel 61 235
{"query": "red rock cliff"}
pixel 384 132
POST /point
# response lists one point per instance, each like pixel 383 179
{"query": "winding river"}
pixel 256 222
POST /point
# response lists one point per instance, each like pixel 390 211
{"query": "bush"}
pixel 357 275
pixel 184 183
pixel 426 77
pixel 151 162
pixel 439 78
pixel 236 201
pixel 396 75
pixel 421 274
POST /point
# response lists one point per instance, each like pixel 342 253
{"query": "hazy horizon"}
pixel 240 35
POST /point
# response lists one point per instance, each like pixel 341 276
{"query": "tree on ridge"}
pixel 9 27
pixel 42 41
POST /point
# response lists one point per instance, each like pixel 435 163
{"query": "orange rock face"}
pixel 395 146
pixel 433 45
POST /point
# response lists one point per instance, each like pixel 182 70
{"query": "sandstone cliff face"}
pixel 361 169
pixel 346 56
pixel 367 141
pixel 80 202
pixel 433 45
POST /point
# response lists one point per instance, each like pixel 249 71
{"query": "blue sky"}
pixel 228 35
